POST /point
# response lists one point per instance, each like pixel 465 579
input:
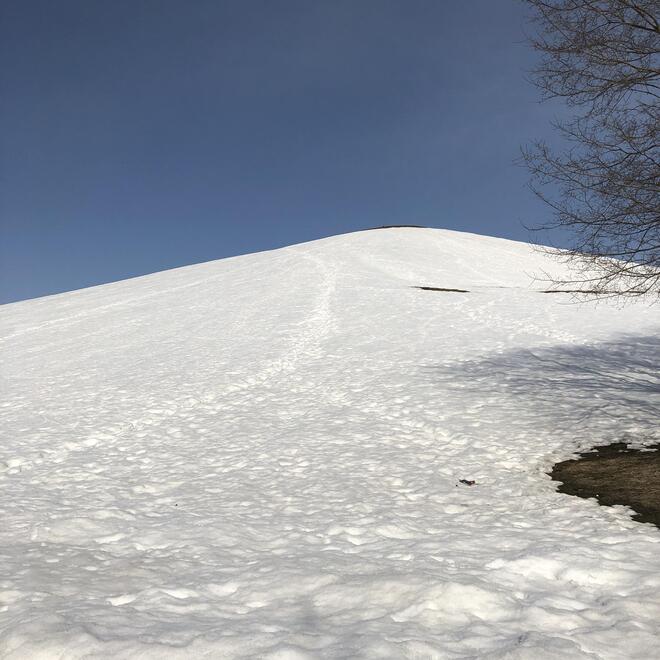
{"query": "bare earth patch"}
pixel 438 288
pixel 616 474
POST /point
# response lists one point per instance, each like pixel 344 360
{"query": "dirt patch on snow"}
pixel 438 288
pixel 397 227
pixel 616 474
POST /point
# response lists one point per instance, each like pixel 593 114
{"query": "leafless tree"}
pixel 602 58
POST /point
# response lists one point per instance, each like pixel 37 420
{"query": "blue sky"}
pixel 140 135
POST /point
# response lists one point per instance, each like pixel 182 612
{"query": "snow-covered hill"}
pixel 260 457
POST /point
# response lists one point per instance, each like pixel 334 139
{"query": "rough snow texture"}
pixel 260 457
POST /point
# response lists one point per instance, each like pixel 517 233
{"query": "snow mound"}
pixel 261 457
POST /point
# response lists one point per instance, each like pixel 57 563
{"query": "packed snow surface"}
pixel 261 457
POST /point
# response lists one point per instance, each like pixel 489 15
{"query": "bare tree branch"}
pixel 603 58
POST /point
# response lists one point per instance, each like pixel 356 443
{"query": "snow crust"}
pixel 260 457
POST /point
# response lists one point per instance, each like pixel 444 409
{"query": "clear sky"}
pixel 140 135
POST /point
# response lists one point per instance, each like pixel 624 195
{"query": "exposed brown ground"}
pixel 396 227
pixel 438 288
pixel 615 474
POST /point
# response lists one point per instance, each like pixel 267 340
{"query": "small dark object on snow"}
pixel 467 482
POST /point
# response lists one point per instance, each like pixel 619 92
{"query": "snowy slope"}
pixel 260 457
